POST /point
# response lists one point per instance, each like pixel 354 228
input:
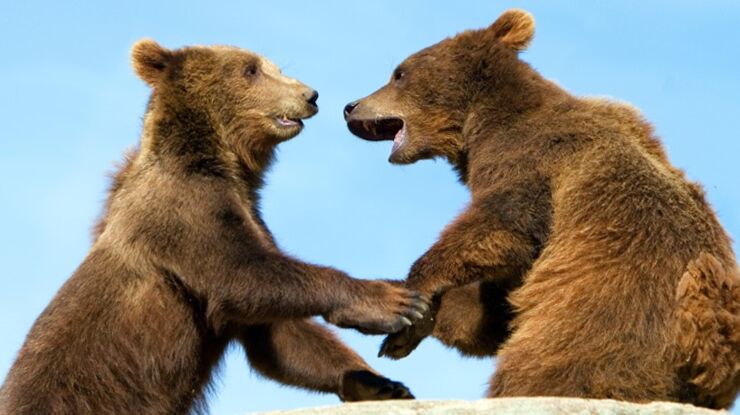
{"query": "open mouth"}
pixel 388 128
pixel 286 122
pixel 379 129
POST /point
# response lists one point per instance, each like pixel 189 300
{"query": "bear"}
pixel 586 262
pixel 182 263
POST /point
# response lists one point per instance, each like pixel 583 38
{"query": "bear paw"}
pixel 363 385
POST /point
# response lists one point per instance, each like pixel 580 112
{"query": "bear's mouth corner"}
pixel 377 129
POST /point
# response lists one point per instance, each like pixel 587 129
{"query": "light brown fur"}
pixel 182 263
pixel 622 283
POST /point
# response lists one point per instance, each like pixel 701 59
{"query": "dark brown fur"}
pixel 622 282
pixel 182 263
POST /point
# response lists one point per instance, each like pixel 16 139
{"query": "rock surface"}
pixel 504 406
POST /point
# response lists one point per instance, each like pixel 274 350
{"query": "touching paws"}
pixel 363 385
pixel 380 308
pixel 400 344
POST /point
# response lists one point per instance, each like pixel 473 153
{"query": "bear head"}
pixel 236 95
pixel 426 103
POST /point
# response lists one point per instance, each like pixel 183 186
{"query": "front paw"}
pixel 401 344
pixel 363 385
pixel 380 308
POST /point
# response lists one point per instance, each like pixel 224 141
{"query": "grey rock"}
pixel 504 406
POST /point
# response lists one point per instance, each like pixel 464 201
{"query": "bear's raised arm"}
pixel 497 237
pixel 220 253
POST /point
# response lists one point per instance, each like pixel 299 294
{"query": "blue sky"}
pixel 71 105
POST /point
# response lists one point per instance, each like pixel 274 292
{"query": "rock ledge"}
pixel 504 406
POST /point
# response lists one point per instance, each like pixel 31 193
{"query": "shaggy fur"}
pixel 620 281
pixel 182 262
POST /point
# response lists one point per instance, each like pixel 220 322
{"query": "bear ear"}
pixel 150 60
pixel 514 28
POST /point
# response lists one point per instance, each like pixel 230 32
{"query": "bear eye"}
pixel 251 69
pixel 398 74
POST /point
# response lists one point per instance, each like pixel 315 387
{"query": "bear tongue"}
pixel 286 121
pixel 399 139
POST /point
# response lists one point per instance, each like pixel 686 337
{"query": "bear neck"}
pixel 510 91
pixel 185 139
pixel 492 132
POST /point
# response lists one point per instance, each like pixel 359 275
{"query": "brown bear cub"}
pixel 183 263
pixel 585 261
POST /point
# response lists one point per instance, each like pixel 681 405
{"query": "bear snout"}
pixel 311 96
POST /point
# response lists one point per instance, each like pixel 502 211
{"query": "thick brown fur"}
pixel 182 262
pixel 620 280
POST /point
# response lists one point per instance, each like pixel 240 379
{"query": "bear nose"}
pixel 311 96
pixel 349 108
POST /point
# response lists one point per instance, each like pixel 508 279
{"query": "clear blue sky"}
pixel 71 105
